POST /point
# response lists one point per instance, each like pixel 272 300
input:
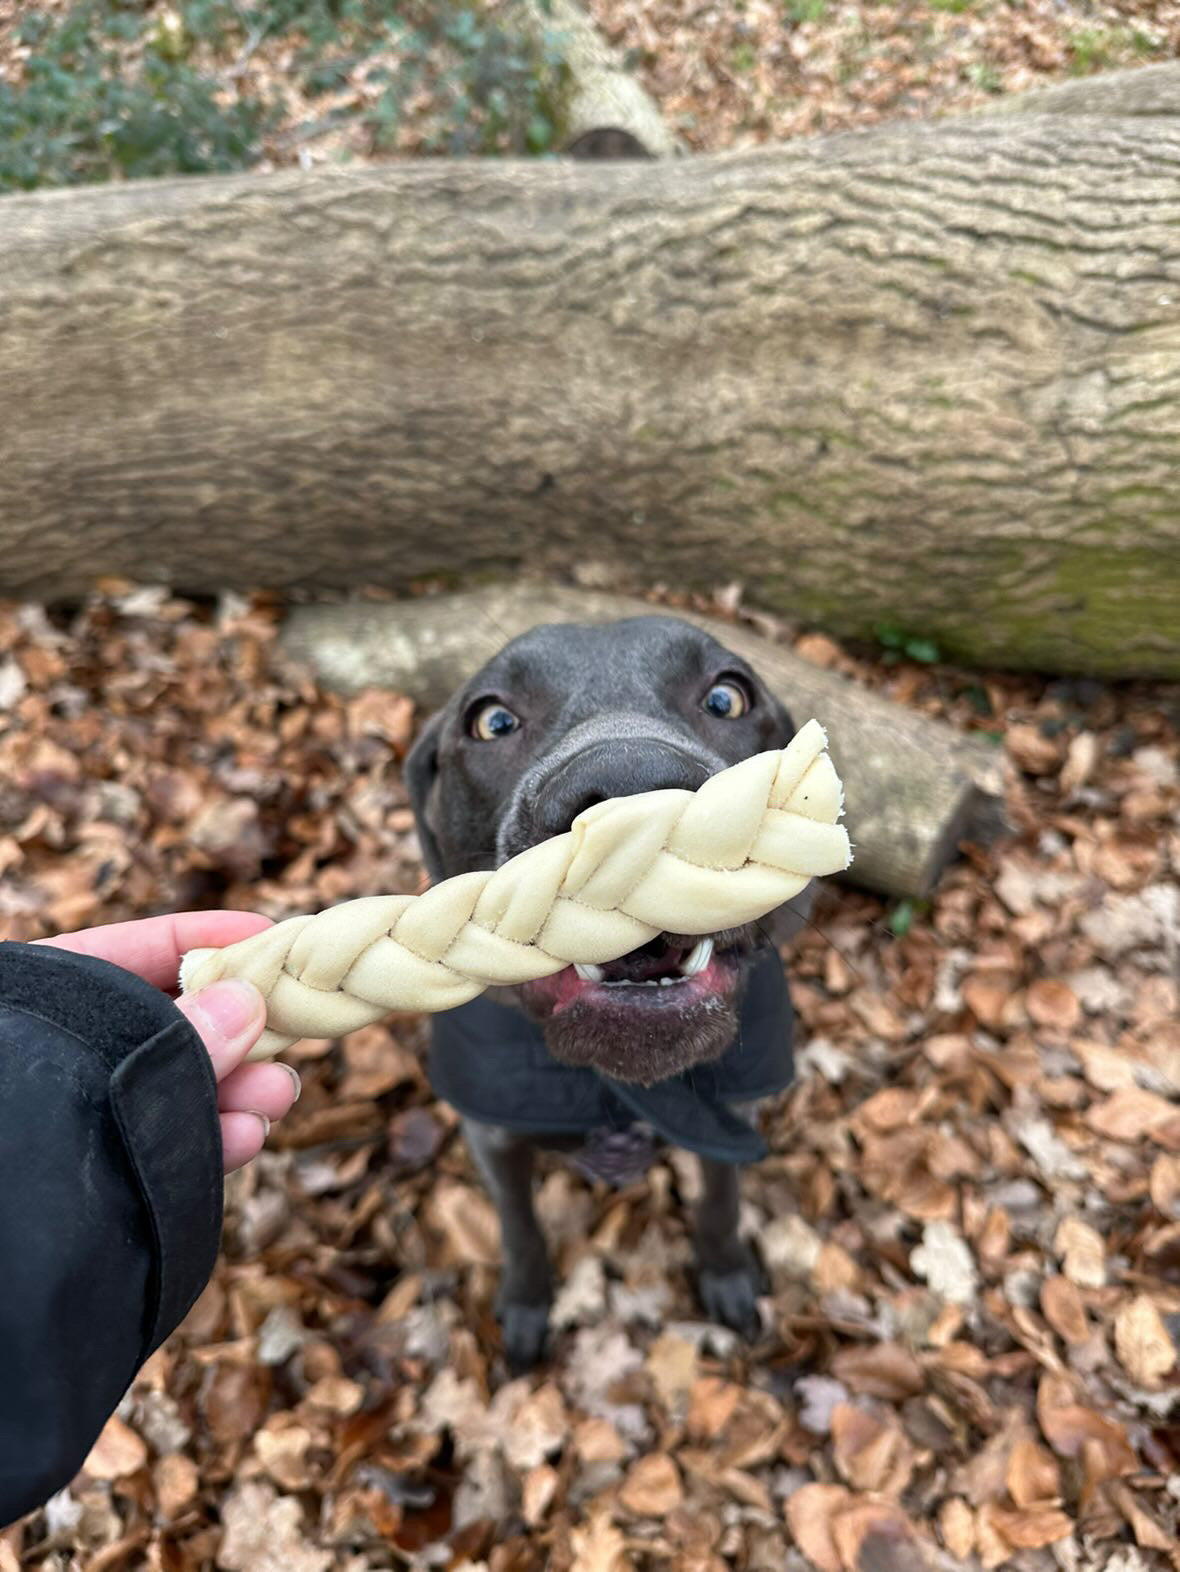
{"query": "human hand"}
pixel 228 1016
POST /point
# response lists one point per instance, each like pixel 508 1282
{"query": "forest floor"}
pixel 970 1217
pixel 971 1214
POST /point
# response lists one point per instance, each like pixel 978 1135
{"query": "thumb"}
pixel 229 1017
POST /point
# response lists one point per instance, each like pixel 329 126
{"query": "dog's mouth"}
pixel 652 1013
pixel 670 970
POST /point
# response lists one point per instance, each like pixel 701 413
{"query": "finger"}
pixel 229 1017
pixel 242 1137
pixel 270 1089
pixel 151 947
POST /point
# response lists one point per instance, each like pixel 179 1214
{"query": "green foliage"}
pixel 900 645
pixel 1101 48
pixel 980 74
pixel 976 695
pixel 112 89
pixel 901 917
pixel 955 6
pixel 78 116
pixel 805 10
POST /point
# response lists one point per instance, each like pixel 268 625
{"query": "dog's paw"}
pixel 525 1329
pixel 730 1297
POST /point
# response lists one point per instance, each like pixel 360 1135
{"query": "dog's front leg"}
pixel 505 1161
pixel 729 1276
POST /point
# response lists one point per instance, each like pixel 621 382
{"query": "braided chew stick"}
pixel 749 839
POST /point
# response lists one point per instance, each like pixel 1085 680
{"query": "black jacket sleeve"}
pixel 110 1201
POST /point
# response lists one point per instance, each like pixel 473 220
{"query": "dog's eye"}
pixel 727 700
pixel 491 720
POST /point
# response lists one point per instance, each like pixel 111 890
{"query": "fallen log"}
pixel 926 375
pixel 914 788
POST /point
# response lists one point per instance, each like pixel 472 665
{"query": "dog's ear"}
pixel 420 773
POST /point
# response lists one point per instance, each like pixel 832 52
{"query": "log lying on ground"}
pixel 1145 91
pixel 914 788
pixel 925 375
pixel 606 113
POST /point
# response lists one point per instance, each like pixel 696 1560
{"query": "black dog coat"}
pixel 491 1064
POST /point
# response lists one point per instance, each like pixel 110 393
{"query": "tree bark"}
pixel 1146 91
pixel 914 788
pixel 606 113
pixel 925 375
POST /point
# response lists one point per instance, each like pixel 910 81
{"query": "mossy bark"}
pixel 928 375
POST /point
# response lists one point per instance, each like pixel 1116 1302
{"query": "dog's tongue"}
pixel 655 959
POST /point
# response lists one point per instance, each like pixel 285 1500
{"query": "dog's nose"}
pixel 620 768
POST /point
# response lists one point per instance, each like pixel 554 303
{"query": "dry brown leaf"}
pixel 810 1513
pixel 1146 1351
pixel 233 1399
pixel 1144 1525
pixel 1069 1427
pixel 673 1365
pixel 536 1427
pixel 835 1269
pixel 1033 1477
pixel 468 1222
pixel 117 1452
pixel 818 649
pixel 264 1532
pixel 1164 1185
pixel 652 1487
pixel 870 1450
pixel 1130 1114
pixel 991 1547
pixel 1031 1529
pixel 282 1445
pixel 1062 1307
pixel 1032 750
pixel 1108 1069
pixel 1080 758
pixel 597 1441
pixel 1083 1252
pixel 887 1370
pixel 987 997
pixel 1054 1004
pixel 888 1109
pixel 876 1536
pixel 599 1548
pixel 537 1491
pixel 713 1404
pixel 177 1481
pixel 337 1395
pixel 956 1523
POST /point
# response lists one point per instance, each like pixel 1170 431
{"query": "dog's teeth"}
pixel 666 982
pixel 590 973
pixel 697 959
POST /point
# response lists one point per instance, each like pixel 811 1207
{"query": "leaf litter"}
pixel 970 1217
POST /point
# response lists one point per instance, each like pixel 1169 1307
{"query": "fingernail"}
pixel 262 1120
pixel 295 1077
pixel 230 1006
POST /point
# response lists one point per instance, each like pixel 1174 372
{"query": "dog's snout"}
pixel 611 769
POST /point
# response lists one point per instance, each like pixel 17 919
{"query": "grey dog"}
pixel 678 1039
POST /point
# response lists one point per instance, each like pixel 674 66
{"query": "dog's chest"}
pixel 492 1066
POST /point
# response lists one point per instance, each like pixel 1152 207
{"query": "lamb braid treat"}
pixel 690 862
